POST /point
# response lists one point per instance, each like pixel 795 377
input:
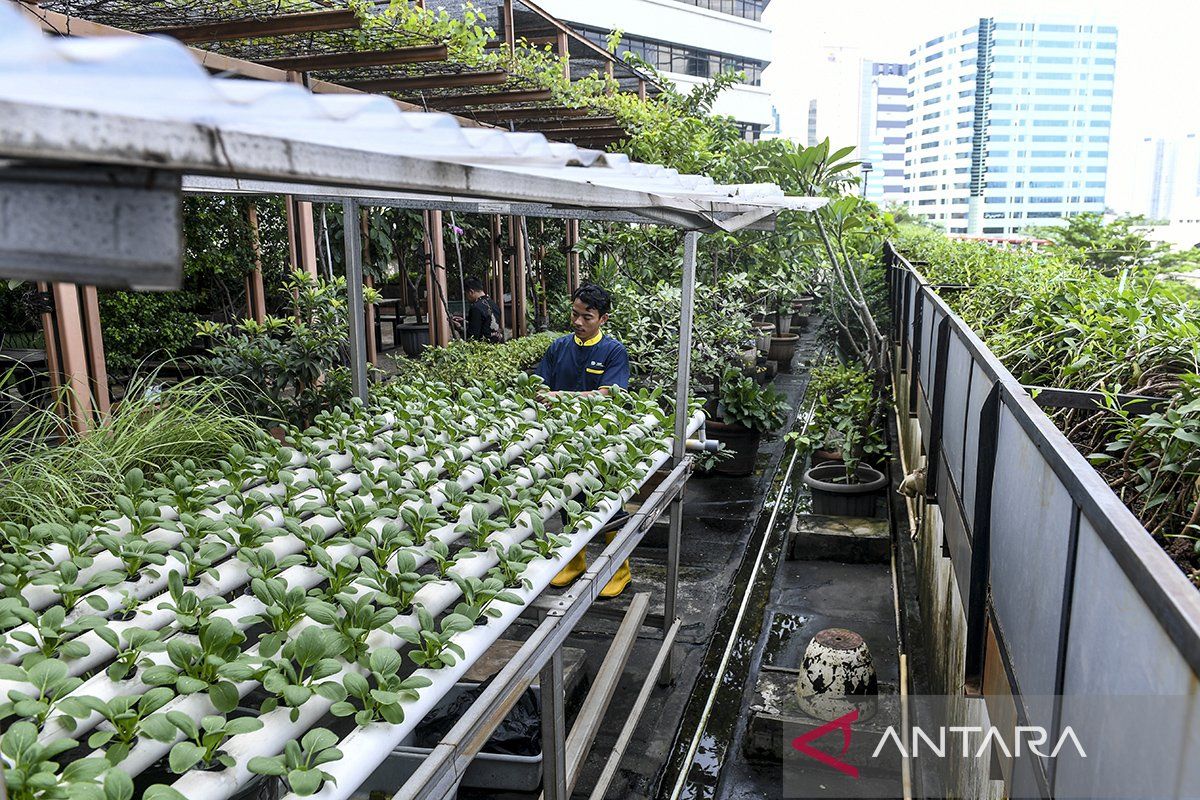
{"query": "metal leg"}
pixel 554 730
pixel 354 290
pixel 683 376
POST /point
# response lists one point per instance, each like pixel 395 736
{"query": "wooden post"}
pixel 521 290
pixel 73 355
pixel 572 256
pixel 641 90
pixel 53 362
pixel 514 261
pixel 542 271
pixel 564 52
pixel 499 266
pixel 435 281
pixel 302 235
pixel 256 301
pixel 372 342
pixel 510 29
pixel 89 303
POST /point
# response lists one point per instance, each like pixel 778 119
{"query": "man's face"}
pixel 474 294
pixel 586 321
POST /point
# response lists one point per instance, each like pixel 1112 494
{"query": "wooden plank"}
pixel 599 696
pixel 367 58
pixel 282 25
pixel 543 113
pixel 490 98
pixel 608 133
pixel 568 125
pixel 530 41
pixel 448 81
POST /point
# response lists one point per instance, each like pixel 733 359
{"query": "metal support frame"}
pixel 683 378
pixel 441 770
pixel 554 729
pixel 354 290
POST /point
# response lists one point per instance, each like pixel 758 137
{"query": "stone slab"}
pixel 849 540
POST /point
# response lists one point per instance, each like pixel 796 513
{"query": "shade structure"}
pixel 144 103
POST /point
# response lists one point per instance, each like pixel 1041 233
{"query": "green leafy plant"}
pixel 433 647
pixel 50 681
pixel 202 743
pixel 210 664
pixel 382 693
pixel 745 403
pixel 300 763
pixel 301 670
pixel 125 715
pixel 394 586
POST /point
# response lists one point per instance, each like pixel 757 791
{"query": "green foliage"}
pixel 153 427
pixel 289 368
pixel 300 763
pixel 843 414
pixel 463 362
pixel 745 403
pixel 1054 321
pixel 1109 247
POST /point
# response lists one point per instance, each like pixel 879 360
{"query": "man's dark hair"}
pixel 593 297
pixel 473 285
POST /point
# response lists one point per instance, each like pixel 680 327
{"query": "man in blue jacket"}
pixel 587 361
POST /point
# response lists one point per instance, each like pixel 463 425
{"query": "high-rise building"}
pixel 689 41
pixel 1168 178
pixel 884 119
pixel 1010 124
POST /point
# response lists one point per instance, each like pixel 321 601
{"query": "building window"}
pixel 684 60
pixel 746 9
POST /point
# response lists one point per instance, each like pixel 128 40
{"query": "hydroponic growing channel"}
pixel 350 574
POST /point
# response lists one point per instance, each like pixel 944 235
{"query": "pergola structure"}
pixel 109 132
pixel 326 48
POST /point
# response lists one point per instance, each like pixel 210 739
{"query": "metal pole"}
pixel 354 289
pixel 554 730
pixel 683 378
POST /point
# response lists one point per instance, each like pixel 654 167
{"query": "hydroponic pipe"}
pixel 377 741
pixel 147 752
pixel 299 575
pixel 372 744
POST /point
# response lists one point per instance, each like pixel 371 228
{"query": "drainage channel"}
pixel 711 718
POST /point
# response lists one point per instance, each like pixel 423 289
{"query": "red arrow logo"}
pixel 843 724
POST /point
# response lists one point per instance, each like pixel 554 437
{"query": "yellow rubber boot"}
pixel 574 568
pixel 620 578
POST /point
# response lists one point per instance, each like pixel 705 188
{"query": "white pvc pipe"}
pixel 372 744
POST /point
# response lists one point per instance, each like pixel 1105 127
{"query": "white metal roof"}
pixel 145 101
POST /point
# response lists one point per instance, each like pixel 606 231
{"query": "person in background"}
pixel 588 360
pixel 483 315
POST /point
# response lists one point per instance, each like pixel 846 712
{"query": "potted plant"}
pixel 748 410
pixel 783 350
pixel 843 410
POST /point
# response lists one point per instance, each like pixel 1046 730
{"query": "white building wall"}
pixel 884 122
pixel 688 25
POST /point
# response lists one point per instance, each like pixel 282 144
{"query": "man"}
pixel 587 361
pixel 483 315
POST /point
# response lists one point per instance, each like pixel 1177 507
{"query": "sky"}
pixel 1157 87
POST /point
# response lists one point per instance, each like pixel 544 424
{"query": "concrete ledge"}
pixel 850 540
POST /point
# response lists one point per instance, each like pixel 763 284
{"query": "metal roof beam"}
pixel 282 25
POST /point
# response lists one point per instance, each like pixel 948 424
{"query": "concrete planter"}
pixel 783 350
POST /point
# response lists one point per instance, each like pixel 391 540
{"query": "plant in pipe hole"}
pixel 421 521
pixel 513 560
pixel 300 763
pixel 338 576
pixel 65 581
pixel 383 542
pixel 50 682
pixel 480 527
pixel 79 538
pixel 311 536
pixel 13 612
pixel 394 586
pixel 181 493
pixel 439 553
pixel 198 561
pixel 136 555
pixel 478 594
pixel 31 771
pixel 300 671
pixel 433 648
pixel 283 607
pixel 354 514
pixel 21 558
pixel 130 645
pixel 381 694
pixel 357 619
pixel 126 717
pixel 210 664
pixel 544 543
pixel 195 528
pixel 53 636
pixel 191 611
pixel 241 534
pixel 201 745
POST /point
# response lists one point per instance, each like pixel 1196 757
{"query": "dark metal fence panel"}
pixel 1085 603
pixel 1117 659
pixel 1031 511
